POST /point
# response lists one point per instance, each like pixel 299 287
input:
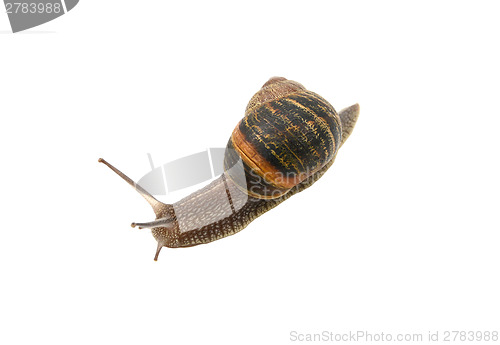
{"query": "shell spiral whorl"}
pixel 288 133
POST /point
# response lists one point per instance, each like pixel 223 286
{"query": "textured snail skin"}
pixel 204 208
pixel 268 142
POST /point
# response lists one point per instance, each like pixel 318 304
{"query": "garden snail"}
pixel 286 141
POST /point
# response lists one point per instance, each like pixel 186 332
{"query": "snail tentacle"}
pixel 158 249
pixel 158 206
pixel 161 222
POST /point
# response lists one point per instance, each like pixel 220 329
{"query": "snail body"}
pixel 286 141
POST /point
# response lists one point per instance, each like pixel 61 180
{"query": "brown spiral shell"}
pixel 287 134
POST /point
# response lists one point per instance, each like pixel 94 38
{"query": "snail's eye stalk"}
pixel 155 204
pixel 158 207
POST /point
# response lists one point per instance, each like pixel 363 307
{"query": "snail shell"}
pixel 288 133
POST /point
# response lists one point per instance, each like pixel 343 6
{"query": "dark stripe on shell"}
pixel 294 134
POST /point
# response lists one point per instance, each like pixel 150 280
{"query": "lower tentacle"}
pixel 161 222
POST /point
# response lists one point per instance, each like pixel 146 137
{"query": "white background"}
pixel 400 236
